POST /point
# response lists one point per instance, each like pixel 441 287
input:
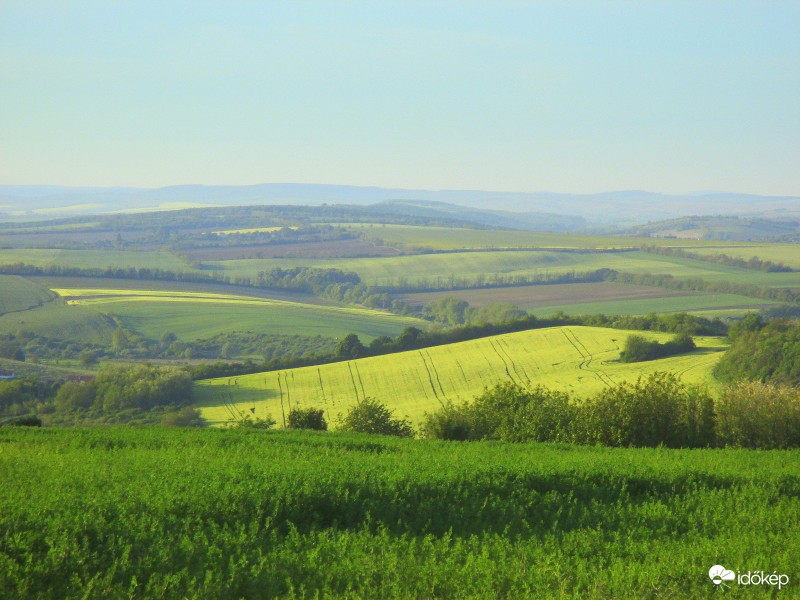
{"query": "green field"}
pixel 18 294
pixel 122 513
pixel 699 303
pixel 788 254
pixel 413 268
pixel 606 297
pixel 581 360
pixel 197 315
pixel 452 238
pixel 100 259
pixel 58 320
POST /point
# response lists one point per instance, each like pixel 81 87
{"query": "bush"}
pixel 185 417
pixel 638 349
pixel 308 418
pixel 248 422
pixel 371 416
pixel 752 414
pixel 506 412
pixel 654 411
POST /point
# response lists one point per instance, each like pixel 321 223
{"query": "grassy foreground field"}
pixel 581 360
pixel 145 513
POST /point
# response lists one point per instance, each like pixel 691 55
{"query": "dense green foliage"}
pixel 120 388
pixel 145 513
pixel 767 352
pixel 371 416
pixel 638 348
pixel 653 411
pixel 307 418
pixel 659 410
pixel 758 415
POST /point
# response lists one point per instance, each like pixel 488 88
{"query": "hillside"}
pixel 580 360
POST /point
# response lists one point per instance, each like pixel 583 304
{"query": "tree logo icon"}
pixel 719 575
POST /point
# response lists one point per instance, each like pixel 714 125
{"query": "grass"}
pixel 581 360
pixel 146 512
pixel 187 314
pixel 18 294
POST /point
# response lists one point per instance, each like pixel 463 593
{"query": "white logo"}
pixel 720 574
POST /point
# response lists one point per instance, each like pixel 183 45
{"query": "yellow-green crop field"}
pixel 580 360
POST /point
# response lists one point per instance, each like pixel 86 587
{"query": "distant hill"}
pixel 605 210
pixel 729 228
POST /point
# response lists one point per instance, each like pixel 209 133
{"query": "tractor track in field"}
pixel 352 379
pixel 505 363
pixel 430 378
pixel 321 387
pixel 460 368
pixel 502 343
pixel 586 357
pixel 436 373
pixel 360 381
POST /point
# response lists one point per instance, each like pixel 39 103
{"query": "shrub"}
pixel 371 416
pixel 653 411
pixel 507 412
pixel 307 418
pixel 248 422
pixel 752 414
pixel 450 422
pixel 638 349
pixel 185 417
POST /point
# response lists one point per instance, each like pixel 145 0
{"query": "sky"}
pixel 562 96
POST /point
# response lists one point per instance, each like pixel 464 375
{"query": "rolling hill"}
pixel 581 360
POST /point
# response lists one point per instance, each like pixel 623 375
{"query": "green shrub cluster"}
pixel 371 416
pixel 659 410
pixel 767 352
pixel 638 348
pixel 118 388
pixel 307 418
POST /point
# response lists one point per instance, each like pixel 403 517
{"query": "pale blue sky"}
pixel 519 96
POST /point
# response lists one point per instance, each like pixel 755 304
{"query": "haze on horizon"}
pixel 574 97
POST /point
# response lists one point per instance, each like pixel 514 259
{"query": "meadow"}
pixel 186 314
pixel 580 360
pixel 143 513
